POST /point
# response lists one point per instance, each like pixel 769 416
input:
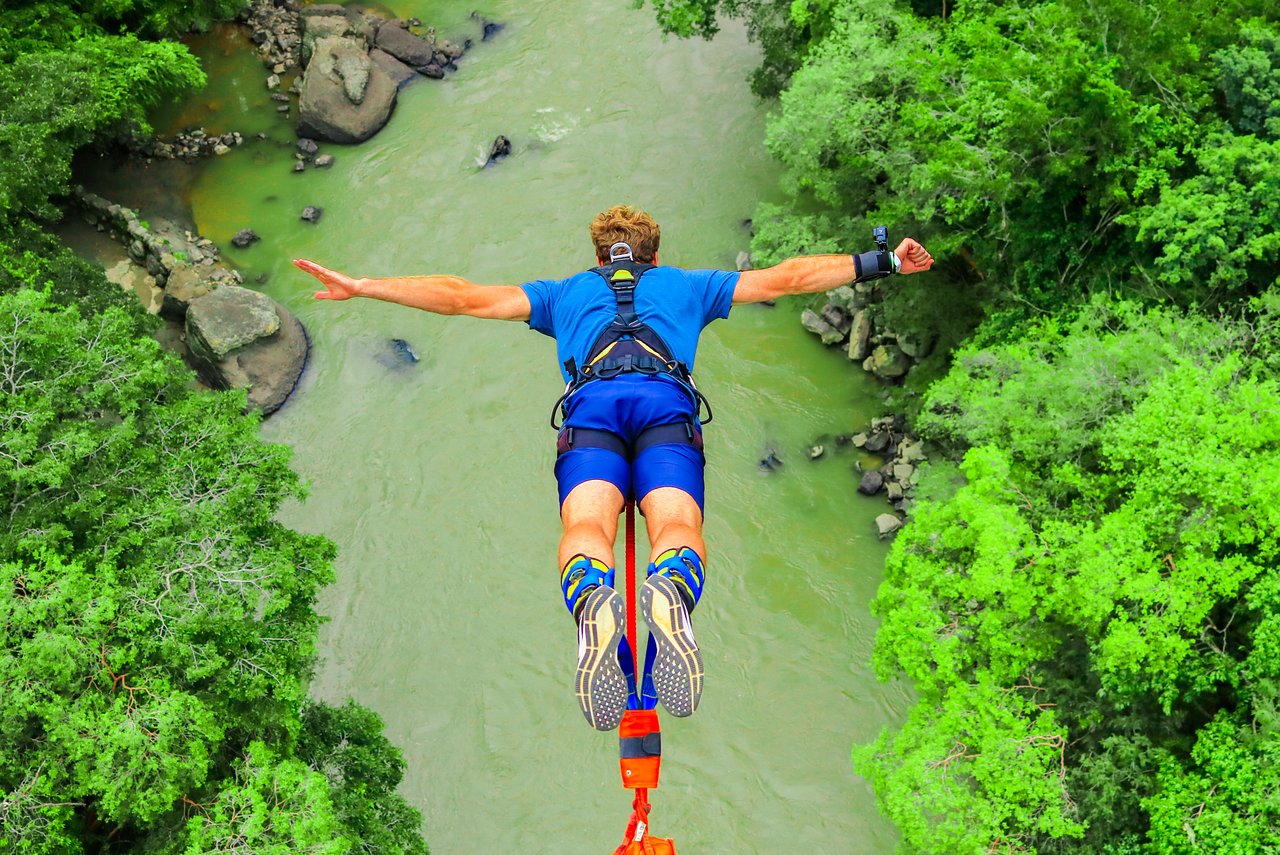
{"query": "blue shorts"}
pixel 627 406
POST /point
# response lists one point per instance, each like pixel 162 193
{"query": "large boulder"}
pixel 323 22
pixel 346 97
pixel 241 339
pixel 887 524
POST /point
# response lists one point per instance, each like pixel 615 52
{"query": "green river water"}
pixel 435 480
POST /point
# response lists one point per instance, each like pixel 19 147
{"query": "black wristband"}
pixel 872 265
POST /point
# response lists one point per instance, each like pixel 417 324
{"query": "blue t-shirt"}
pixel 676 303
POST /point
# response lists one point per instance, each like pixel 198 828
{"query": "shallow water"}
pixel 435 478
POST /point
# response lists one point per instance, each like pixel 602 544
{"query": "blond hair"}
pixel 628 225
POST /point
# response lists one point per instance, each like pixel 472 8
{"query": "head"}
pixel 628 224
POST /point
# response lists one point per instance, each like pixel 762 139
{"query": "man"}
pixel 626 334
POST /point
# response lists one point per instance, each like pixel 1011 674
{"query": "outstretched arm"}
pixel 807 274
pixel 444 295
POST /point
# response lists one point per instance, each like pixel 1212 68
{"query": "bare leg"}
pixel 590 519
pixel 673 663
pixel 673 519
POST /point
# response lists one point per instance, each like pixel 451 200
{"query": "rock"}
pixel 184 285
pixel 903 472
pixel 887 524
pixel 401 75
pixel 273 81
pixel 887 362
pixel 311 214
pixel 816 451
pixel 859 439
pixel 244 237
pixel 871 483
pixel 404 351
pixel 324 161
pixel 404 45
pixel 299 166
pixel 836 316
pixel 877 442
pixel 488 29
pixel 221 149
pixel 859 335
pixel 815 324
pixel 770 462
pixel 346 98
pixel 501 148
pixel 743 260
pixel 893 490
pixel 241 339
pixel 449 49
pixel 911 452
pixel 307 146
pixel 315 28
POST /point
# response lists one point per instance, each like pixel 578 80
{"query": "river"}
pixel 435 479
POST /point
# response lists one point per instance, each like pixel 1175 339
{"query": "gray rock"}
pixel 241 339
pixel 317 27
pixel 401 75
pixel 346 98
pixel 323 161
pixel 911 452
pixel 877 442
pixel 819 326
pixel 893 490
pixel 244 237
pixel 743 260
pixel 859 440
pixel 311 213
pixel 307 146
pixel 860 335
pixel 837 317
pixel 887 362
pixel 185 284
pixel 887 524
pixel 404 45
pixel 902 472
pixel 871 483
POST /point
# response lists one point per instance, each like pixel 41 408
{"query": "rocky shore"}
pixel 852 318
pixel 343 67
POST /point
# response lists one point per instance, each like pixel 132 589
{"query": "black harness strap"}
pixel 682 433
pixel 627 345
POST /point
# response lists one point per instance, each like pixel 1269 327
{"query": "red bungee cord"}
pixel 639 737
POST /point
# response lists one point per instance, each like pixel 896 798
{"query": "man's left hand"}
pixel 914 257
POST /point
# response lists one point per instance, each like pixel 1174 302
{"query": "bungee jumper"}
pixel 630 430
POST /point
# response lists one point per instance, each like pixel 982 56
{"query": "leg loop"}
pixel 683 567
pixel 580 577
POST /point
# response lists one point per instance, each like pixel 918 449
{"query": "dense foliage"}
pixel 157 626
pixel 1086 600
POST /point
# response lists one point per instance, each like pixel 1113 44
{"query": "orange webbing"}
pixel 639 773
pixel 637 840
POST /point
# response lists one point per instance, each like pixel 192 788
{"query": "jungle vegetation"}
pixel 1087 600
pixel 157 625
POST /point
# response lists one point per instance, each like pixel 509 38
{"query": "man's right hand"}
pixel 338 286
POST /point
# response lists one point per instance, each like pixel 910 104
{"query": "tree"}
pixel 1108 592
pixel 160 623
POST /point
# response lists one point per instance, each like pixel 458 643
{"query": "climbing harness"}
pixel 639 734
pixel 627 345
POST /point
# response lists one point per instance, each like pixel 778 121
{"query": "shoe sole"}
pixel 599 683
pixel 677 666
